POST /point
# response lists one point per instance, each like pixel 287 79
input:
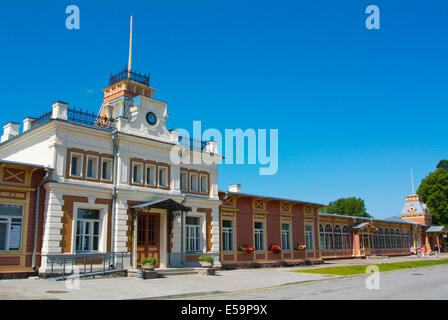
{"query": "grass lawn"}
pixel 360 269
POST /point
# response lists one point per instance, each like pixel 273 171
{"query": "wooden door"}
pixel 148 236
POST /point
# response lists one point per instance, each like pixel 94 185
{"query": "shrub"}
pixel 205 258
pixel 150 261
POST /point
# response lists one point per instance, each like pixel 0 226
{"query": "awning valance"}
pixel 168 204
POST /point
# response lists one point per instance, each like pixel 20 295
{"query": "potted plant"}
pixel 206 261
pixel 149 263
pixel 246 249
pixel 300 246
pixel 276 248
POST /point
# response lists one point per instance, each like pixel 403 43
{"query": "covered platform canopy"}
pixel 436 229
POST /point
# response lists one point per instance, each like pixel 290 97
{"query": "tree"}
pixel 347 207
pixel 443 164
pixel 434 191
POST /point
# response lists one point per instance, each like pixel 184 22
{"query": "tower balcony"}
pixel 130 75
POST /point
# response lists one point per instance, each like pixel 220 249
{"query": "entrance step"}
pixel 166 272
pixel 178 271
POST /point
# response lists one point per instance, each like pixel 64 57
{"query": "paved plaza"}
pixel 266 283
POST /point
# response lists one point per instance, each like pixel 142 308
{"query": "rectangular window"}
pixel 227 235
pixel 309 237
pixel 92 167
pixel 192 234
pixel 76 164
pixel 137 173
pixel 87 230
pixel 106 169
pixel 10 226
pixel 286 237
pixel 204 183
pixel 184 180
pixel 163 176
pixel 150 175
pixel 259 236
pixel 194 182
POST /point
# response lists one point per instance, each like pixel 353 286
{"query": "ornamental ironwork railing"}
pixel 42 119
pixel 86 264
pixel 192 144
pixel 130 75
pixel 90 119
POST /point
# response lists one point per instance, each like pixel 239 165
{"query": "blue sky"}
pixel 356 109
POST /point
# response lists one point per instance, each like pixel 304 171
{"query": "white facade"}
pixel 76 151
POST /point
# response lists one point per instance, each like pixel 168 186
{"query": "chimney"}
pixel 10 130
pixel 27 123
pixel 60 110
pixel 235 188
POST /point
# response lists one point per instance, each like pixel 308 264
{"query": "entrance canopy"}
pixel 435 229
pixel 169 204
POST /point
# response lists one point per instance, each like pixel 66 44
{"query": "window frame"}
pixel 259 236
pixel 153 168
pixel 228 233
pixel 338 245
pixel 95 168
pixel 91 236
pixel 206 184
pixel 286 236
pixel 190 184
pixel 346 238
pixel 329 237
pixel 80 157
pixel 164 168
pixel 140 165
pixel 322 243
pixel 197 237
pixel 309 234
pixel 184 172
pixel 7 220
pixel 111 162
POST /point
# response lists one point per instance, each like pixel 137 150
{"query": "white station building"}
pixel 113 186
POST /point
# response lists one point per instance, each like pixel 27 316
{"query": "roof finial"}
pixel 412 180
pixel 130 53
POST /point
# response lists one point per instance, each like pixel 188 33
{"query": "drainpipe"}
pixel 36 216
pixel 353 246
pixel 182 254
pixel 114 192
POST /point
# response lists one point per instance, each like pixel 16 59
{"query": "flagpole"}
pixel 130 53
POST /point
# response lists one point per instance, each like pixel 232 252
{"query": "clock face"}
pixel 151 118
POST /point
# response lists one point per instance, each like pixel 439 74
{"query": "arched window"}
pixel 386 235
pixel 346 235
pixel 404 239
pixel 322 237
pixel 392 236
pixel 397 234
pixel 381 238
pixel 375 240
pixel 329 237
pixel 338 237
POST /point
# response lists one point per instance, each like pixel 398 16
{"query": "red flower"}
pixel 246 249
pixel 276 248
pixel 300 246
